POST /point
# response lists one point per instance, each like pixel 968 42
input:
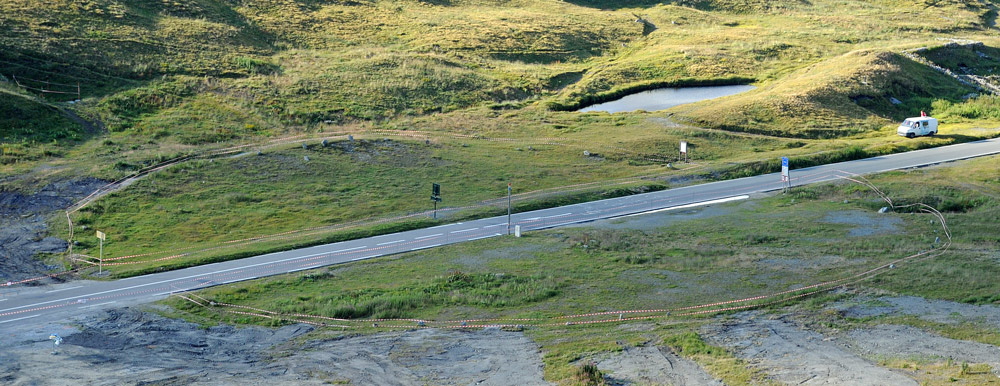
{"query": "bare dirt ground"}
pixel 127 346
pixel 938 311
pixel 23 232
pixel 652 366
pixel 795 356
pixel 895 341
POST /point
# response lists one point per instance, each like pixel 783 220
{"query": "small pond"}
pixel 665 98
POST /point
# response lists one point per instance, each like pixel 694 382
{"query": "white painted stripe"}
pixel 465 230
pixel 99 304
pixel 533 219
pixel 3 300
pixel 390 242
pixel 719 201
pixel 349 249
pixel 558 215
pixel 425 247
pixel 495 225
pixel 64 289
pixel 483 237
pixel 428 236
pixel 362 258
pixel 14 320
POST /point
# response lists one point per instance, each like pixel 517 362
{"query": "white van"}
pixel 913 127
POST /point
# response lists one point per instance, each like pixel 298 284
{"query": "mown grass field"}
pixel 761 246
pixel 161 80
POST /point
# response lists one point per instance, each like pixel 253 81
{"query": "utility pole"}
pixel 508 208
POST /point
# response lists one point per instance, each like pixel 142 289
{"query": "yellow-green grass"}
pixel 469 67
pixel 756 247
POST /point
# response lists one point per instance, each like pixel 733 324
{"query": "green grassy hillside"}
pixel 473 93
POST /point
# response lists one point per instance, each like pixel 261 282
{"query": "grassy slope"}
pixel 758 247
pixel 174 78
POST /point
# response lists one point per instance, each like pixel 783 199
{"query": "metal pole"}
pixel 508 208
pixel 100 260
pixel 435 209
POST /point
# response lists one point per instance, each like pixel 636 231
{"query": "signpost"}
pixel 436 197
pixel 684 151
pixel 100 260
pixel 786 182
pixel 508 208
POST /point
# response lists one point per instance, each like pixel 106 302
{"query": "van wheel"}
pixel 909 135
pixel 932 133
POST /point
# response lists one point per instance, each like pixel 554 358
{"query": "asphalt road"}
pixel 24 305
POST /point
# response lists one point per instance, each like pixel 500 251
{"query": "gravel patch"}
pixel 897 341
pixel 652 366
pixel 792 355
pixel 938 311
pixel 865 223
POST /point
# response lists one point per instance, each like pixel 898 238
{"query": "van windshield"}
pixel 909 123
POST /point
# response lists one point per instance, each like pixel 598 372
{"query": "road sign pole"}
pixel 508 208
pixel 100 260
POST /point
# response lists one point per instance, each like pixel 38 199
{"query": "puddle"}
pixel 665 98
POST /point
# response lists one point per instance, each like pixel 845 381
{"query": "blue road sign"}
pixel 784 162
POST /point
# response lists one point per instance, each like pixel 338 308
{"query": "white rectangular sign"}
pixel 784 167
pixel 100 235
pixel 684 147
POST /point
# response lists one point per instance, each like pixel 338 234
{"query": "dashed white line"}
pixel 483 237
pixel 99 304
pixel 464 230
pixel 362 258
pixel 558 215
pixel 389 242
pixel 14 320
pixel 3 300
pixel 429 236
pixel 64 289
pixel 425 247
pixel 495 225
pixel 349 249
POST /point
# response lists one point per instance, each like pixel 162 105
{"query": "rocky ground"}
pixel 23 232
pixel 129 346
pixel 132 346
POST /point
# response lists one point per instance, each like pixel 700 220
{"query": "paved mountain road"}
pixel 46 303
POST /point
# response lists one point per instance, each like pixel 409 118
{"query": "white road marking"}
pixel 719 201
pixel 465 230
pixel 483 237
pixel 165 281
pixel 533 219
pixel 64 289
pixel 425 247
pixel 99 304
pixel 14 320
pixel 3 300
pixel 390 242
pixel 495 225
pixel 444 225
pixel 428 236
pixel 348 249
pixel 558 215
pixel 362 258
